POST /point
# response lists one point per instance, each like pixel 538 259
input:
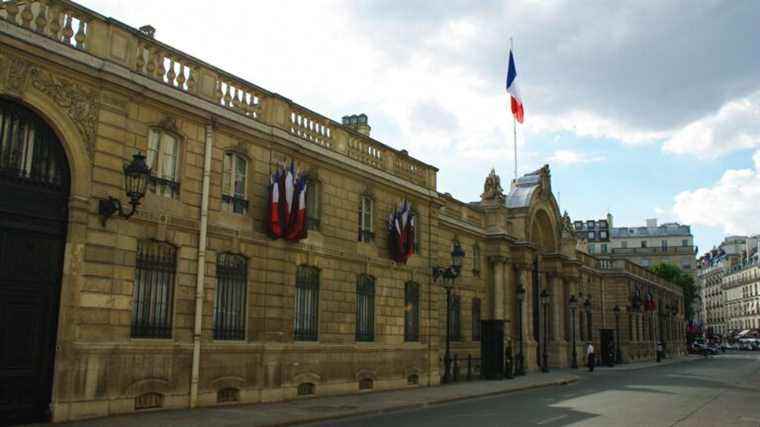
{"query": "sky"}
pixel 644 109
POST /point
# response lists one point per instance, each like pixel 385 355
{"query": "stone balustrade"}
pixel 137 50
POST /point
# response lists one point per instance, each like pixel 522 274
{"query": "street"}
pixel 719 391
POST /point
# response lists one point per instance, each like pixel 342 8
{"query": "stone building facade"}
pixel 189 302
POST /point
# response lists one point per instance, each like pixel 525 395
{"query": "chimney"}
pixel 357 122
pixel 652 223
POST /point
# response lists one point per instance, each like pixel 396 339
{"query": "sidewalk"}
pixel 325 408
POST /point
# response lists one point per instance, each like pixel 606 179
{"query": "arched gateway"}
pixel 34 192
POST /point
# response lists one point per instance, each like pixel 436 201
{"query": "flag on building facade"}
pixel 514 91
pixel 400 224
pixel 286 216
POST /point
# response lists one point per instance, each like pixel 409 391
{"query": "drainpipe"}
pixel 199 294
pixel 430 294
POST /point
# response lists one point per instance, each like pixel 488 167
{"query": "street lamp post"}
pixel 545 300
pixel 573 304
pixel 618 355
pixel 587 309
pixel 520 356
pixel 449 274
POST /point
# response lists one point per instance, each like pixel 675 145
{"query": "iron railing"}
pixel 231 296
pixel 306 326
pixel 365 308
pixel 238 204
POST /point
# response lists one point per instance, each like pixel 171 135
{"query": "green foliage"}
pixel 675 275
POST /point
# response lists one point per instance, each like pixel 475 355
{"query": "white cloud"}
pixel 735 126
pixel 732 203
pixel 570 157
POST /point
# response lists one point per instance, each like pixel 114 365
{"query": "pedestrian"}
pixel 590 356
pixel 659 351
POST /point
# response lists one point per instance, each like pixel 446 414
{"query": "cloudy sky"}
pixel 641 108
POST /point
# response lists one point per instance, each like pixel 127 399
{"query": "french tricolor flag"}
pixel 513 90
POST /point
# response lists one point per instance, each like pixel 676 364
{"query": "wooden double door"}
pixel 34 188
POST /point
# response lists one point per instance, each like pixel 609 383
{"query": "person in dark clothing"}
pixel 590 356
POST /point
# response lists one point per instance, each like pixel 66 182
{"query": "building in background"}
pixel 646 246
pixel 740 288
pixel 718 275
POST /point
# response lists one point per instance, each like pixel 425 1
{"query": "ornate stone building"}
pixel 189 302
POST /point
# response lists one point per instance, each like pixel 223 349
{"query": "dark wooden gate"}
pixel 492 349
pixel 34 189
pixel 607 342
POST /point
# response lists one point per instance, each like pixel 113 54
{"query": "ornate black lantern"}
pixel 457 255
pixel 136 175
pixel 449 274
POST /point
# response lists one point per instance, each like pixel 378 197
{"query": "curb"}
pixel 400 408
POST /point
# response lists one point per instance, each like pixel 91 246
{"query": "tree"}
pixel 675 275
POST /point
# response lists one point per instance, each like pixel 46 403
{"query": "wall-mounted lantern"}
pixel 136 175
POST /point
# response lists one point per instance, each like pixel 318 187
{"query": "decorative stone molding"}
pixel 80 105
pixel 14 73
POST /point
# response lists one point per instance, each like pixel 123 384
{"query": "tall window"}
pixel 234 173
pixel 163 159
pixel 455 320
pixel 313 189
pixel 231 295
pixel 476 319
pixel 643 243
pixel 476 259
pixel 153 290
pixel 411 312
pixel 365 308
pixel 366 206
pixel 604 248
pixel 306 325
pixel 664 244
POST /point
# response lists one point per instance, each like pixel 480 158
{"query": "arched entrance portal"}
pixel 34 192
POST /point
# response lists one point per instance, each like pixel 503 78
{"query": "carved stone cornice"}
pixel 80 104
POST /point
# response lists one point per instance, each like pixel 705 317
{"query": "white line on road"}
pixel 551 420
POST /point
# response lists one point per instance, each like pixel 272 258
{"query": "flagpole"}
pixel 514 120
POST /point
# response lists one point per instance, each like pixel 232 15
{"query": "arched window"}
pixel 365 308
pixel 163 159
pixel 231 296
pixel 234 180
pixel 411 311
pixel 154 290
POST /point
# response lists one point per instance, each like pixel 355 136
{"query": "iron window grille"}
pixel 29 150
pixel 163 159
pixel 365 308
pixel 455 321
pixel 154 290
pixel 231 297
pixel 234 178
pixel 411 311
pixel 306 326
pixel 366 233
pixel 312 204
pixel 476 319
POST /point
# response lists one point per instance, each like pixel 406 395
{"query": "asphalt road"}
pixel 723 390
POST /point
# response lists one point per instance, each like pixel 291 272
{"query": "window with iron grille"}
pixel 411 311
pixel 154 290
pixel 365 308
pixel 476 319
pixel 476 259
pixel 234 178
pixel 366 231
pixel 455 321
pixel 313 189
pixel 306 327
pixel 231 296
pixel 163 159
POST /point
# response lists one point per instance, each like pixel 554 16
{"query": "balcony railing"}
pixel 670 250
pixel 137 50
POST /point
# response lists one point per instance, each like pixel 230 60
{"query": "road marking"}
pixel 551 420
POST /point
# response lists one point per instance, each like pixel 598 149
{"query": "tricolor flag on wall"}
pixel 513 90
